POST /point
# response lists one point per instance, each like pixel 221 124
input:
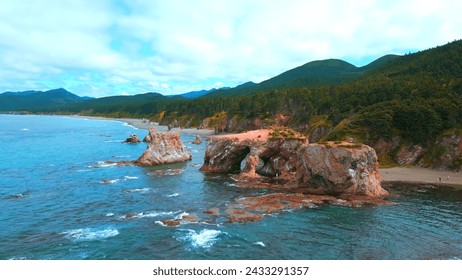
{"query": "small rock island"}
pixel 163 148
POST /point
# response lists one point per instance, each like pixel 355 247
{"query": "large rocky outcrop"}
pixel 331 168
pixel 163 148
pixel 338 169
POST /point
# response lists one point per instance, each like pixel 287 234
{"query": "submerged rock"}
pixel 197 141
pixel 215 211
pixel 250 209
pixel 163 148
pixel 332 168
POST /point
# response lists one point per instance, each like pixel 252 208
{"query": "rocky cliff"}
pixel 331 168
pixel 163 148
pixel 341 168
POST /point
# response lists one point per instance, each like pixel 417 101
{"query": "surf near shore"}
pixel 146 124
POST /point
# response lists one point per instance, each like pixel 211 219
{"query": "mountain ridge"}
pixel 314 73
pixel 36 100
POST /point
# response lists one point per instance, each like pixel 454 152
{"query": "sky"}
pixel 125 47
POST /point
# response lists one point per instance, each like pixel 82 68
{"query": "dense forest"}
pixel 397 103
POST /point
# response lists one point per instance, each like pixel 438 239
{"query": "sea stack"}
pixel 163 148
pixel 133 139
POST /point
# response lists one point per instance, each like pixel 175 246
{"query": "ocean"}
pixel 61 200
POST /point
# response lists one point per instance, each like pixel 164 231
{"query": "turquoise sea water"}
pixel 59 200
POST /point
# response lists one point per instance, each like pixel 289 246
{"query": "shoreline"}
pixel 141 124
pixel 411 175
pixel 418 175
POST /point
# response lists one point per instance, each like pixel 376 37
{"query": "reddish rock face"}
pixel 331 168
pixel 152 131
pixel 223 156
pixel 164 148
pixel 339 169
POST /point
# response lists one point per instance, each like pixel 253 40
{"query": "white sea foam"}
pixel 123 156
pixel 83 170
pixel 173 195
pixel 143 190
pixel 17 259
pixel 149 214
pixel 206 238
pixel 114 141
pixel 181 215
pixel 103 164
pixel 109 214
pixel 130 177
pixel 109 181
pixel 25 129
pixel 90 234
pixel 129 125
pixel 259 243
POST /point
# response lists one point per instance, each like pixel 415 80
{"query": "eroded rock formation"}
pixel 331 168
pixel 338 169
pixel 163 148
pixel 152 131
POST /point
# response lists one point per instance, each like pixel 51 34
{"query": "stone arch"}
pixel 238 159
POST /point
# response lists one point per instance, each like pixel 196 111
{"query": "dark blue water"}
pixel 59 200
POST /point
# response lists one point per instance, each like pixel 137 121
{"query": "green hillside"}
pixel 313 74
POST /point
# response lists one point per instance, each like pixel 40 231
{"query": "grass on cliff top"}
pixel 282 132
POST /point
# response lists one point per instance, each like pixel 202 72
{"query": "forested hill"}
pixel 36 100
pixel 313 74
pixel 113 103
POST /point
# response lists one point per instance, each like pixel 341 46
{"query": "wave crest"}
pixel 90 234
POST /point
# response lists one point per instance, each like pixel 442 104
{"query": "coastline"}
pixel 418 175
pixel 413 175
pixel 141 124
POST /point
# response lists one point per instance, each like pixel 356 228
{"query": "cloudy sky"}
pixel 119 47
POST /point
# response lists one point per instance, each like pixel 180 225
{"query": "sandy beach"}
pixel 145 124
pixel 421 175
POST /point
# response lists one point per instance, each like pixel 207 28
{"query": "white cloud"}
pixel 122 46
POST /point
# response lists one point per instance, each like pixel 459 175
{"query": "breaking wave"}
pixel 90 234
pixel 205 238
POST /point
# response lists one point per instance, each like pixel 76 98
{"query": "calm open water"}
pixel 59 200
